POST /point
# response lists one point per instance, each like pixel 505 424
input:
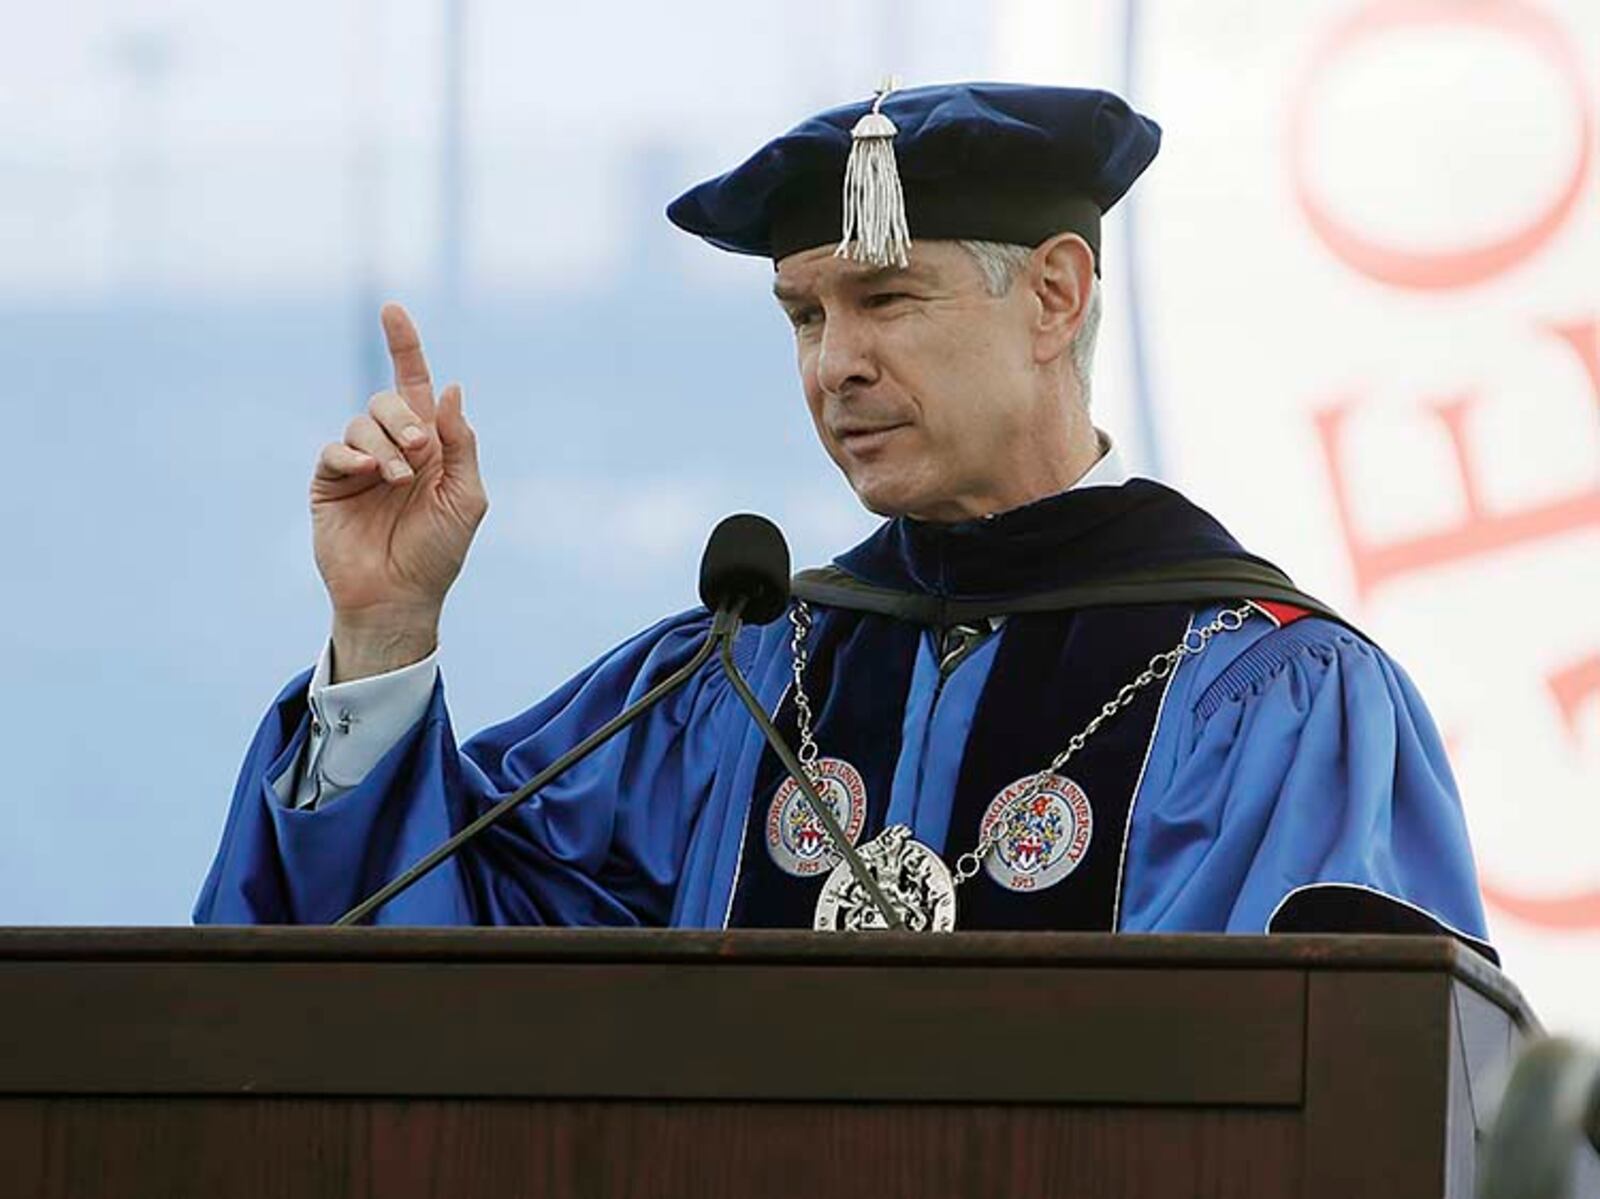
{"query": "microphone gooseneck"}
pixel 525 792
pixel 808 790
pixel 746 570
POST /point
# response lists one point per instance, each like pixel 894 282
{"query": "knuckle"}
pixel 368 436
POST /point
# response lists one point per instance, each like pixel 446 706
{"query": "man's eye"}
pixel 804 318
pixel 882 299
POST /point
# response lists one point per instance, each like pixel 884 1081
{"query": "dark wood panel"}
pixel 1378 1066
pixel 1490 1041
pixel 1460 1123
pixel 27 1153
pixel 322 1149
pixel 619 1031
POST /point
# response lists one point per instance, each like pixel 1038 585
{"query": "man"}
pixel 1057 696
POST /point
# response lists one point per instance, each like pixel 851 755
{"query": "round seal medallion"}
pixel 796 840
pixel 1043 838
pixel 914 880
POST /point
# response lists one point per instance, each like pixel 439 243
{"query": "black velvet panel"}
pixel 1346 908
pixel 859 673
pixel 1051 675
pixel 1059 542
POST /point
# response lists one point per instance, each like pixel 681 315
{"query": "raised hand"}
pixel 394 507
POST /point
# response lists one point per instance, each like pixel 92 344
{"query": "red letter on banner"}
pixel 1461 267
pixel 1572 687
pixel 1479 531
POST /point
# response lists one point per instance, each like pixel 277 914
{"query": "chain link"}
pixel 1160 667
pixel 800 618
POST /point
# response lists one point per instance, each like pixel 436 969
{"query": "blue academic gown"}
pixel 1287 777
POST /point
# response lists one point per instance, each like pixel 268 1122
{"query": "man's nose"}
pixel 844 359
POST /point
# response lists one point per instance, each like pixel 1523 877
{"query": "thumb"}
pixel 456 438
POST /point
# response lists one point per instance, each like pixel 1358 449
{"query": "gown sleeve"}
pixel 601 845
pixel 1309 792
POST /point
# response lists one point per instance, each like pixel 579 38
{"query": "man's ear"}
pixel 1062 273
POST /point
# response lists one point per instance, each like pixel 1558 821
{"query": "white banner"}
pixel 1364 324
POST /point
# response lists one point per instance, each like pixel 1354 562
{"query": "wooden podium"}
pixel 314 1062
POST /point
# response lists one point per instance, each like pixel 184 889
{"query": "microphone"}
pixel 1550 1107
pixel 745 568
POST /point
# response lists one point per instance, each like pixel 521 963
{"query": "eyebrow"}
pixel 872 278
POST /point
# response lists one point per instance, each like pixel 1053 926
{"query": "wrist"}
pixel 372 643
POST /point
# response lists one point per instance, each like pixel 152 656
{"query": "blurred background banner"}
pixel 1352 309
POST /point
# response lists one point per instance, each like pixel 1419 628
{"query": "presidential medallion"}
pixel 912 877
pixel 1038 830
pixel 796 840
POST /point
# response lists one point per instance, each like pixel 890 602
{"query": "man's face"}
pixel 923 386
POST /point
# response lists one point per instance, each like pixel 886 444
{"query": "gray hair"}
pixel 1001 262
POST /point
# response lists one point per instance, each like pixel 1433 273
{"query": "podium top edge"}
pixel 769 948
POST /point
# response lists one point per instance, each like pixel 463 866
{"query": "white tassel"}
pixel 875 229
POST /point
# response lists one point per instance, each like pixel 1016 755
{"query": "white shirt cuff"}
pixel 354 724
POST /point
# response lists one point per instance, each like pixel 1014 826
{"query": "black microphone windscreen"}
pixel 747 557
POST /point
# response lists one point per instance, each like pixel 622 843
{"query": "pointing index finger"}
pixel 411 378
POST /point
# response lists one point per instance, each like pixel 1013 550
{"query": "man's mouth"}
pixel 865 437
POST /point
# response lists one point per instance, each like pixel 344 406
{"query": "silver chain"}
pixel 1160 667
pixel 800 618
